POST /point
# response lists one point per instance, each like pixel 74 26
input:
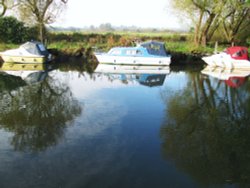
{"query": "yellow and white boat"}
pixel 30 52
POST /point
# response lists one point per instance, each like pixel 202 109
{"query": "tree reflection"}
pixel 9 83
pixel 206 131
pixel 37 114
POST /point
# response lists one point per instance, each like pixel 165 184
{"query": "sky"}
pixel 140 13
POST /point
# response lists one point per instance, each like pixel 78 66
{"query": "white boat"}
pixel 232 57
pixel 147 53
pixel 30 52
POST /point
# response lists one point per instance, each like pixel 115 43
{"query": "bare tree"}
pixel 41 13
pixel 5 5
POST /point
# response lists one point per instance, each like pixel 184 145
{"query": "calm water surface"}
pixel 160 128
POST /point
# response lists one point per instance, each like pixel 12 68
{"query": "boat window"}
pixel 115 52
pixel 131 52
pixel 237 54
pixel 138 52
pixel 41 47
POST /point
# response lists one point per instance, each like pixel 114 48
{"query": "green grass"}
pixel 190 48
pixel 4 47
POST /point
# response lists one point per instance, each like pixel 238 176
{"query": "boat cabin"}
pixel 146 49
pixel 238 52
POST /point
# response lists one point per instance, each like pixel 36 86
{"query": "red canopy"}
pixel 238 52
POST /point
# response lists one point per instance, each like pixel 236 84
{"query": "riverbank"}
pixel 70 47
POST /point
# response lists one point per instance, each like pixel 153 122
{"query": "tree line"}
pixel 230 18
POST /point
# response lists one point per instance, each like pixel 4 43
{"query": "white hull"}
pixel 131 60
pixel 225 60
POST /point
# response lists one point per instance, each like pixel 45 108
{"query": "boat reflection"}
pixel 232 77
pixel 145 75
pixel 30 73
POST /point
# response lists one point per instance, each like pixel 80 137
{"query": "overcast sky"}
pixel 140 13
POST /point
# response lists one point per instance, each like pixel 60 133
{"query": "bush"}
pixel 11 30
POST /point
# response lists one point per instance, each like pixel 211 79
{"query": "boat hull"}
pixel 23 59
pixel 131 60
pixel 223 60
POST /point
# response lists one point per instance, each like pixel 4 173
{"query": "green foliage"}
pixel 14 31
pixel 209 16
pixel 11 30
pixel 5 46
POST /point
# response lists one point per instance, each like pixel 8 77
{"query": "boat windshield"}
pixel 35 48
pixel 41 47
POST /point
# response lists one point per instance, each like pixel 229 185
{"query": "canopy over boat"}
pixel 238 52
pixel 35 48
pixel 155 48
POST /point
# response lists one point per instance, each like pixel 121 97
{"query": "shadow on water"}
pixel 35 106
pixel 206 131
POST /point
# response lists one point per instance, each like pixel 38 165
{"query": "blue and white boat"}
pixel 147 53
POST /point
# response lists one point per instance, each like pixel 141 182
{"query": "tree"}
pixel 40 13
pixel 205 14
pixel 12 30
pixel 5 5
pixel 235 19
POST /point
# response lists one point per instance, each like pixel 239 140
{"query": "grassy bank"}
pixel 72 41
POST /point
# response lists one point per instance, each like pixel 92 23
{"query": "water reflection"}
pixel 34 106
pixel 97 130
pixel 30 73
pixel 206 130
pixel 145 75
pixel 232 77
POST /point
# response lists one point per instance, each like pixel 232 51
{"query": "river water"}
pixel 125 127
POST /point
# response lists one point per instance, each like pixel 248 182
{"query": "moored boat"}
pixel 29 52
pixel 232 57
pixel 147 53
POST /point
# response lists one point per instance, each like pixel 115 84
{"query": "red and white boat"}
pixel 232 57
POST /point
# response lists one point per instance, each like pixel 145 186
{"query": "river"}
pixel 125 127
